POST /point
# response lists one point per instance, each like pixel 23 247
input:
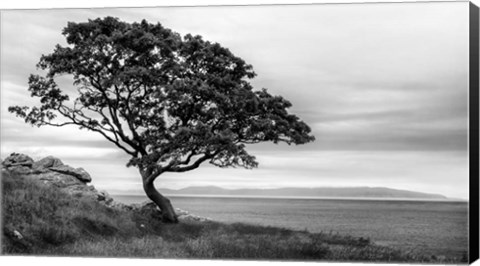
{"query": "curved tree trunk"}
pixel 168 213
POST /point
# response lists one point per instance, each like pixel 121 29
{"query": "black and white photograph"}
pixel 322 132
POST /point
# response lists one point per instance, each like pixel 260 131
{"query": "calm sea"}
pixel 433 227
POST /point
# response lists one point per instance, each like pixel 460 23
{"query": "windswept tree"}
pixel 170 102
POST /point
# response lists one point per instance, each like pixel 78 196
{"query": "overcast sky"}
pixel 383 86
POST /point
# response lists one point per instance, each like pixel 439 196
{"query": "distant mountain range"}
pixel 321 192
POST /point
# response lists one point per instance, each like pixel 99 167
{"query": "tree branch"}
pixel 195 165
pixel 84 123
pixel 113 114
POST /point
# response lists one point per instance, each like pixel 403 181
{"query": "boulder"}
pixel 17 160
pixel 103 195
pixel 181 212
pixel 47 162
pixel 17 235
pixel 79 173
pixel 23 164
pixel 191 217
pixel 51 170
pixel 184 215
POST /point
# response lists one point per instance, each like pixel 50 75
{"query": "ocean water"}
pixel 431 227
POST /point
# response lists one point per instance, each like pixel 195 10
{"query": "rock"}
pixel 103 195
pixel 17 235
pixel 181 212
pixel 16 160
pixel 191 217
pixel 184 215
pixel 47 162
pixel 51 171
pixel 79 173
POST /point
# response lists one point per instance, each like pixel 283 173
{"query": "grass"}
pixel 55 223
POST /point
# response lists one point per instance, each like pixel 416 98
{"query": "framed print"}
pixel 293 132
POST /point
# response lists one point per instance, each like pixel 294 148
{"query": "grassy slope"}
pixel 55 223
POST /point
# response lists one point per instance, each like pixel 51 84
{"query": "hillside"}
pixel 47 212
pixel 322 192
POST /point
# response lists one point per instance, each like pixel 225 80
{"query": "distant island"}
pixel 319 192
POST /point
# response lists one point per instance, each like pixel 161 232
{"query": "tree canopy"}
pixel 170 102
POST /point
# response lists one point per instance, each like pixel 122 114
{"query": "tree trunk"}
pixel 168 213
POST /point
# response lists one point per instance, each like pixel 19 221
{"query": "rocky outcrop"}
pixel 21 163
pixel 52 171
pixel 18 160
pixel 47 162
pixel 78 173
